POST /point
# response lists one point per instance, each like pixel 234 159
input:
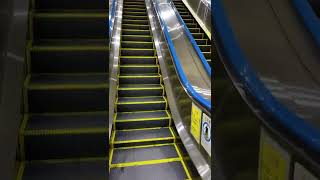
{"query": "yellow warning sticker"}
pixel 274 161
pixel 196 122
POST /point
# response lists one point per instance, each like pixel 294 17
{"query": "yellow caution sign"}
pixel 195 128
pixel 274 160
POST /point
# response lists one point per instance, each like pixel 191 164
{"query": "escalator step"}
pixel 131 90
pixel 137 44
pixel 133 21
pixel 73 135
pixel 135 32
pixel 135 17
pixel 201 41
pixel 69 25
pixel 137 60
pixel 135 26
pixel 80 170
pixel 68 61
pixel 140 69
pixel 205 48
pixel 79 92
pixel 137 38
pixel 125 104
pixel 197 35
pixel 136 154
pixel 171 170
pixel 93 5
pixel 137 52
pixel 142 119
pixel 137 137
pixel 139 78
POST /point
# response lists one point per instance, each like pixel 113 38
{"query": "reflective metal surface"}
pixel 179 101
pixel 286 60
pixel 189 59
pixel 201 11
pixel 13 31
pixel 114 59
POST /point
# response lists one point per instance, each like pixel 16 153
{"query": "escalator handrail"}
pixel 309 17
pixel 252 84
pixel 193 42
pixel 111 17
pixel 180 72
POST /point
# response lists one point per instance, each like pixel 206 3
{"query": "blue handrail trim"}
pixel 111 16
pixel 309 17
pixel 179 69
pixel 248 77
pixel 193 42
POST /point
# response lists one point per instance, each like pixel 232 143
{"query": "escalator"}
pixel 144 143
pixel 197 32
pixel 63 134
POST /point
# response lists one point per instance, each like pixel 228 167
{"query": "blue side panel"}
pixel 253 86
pixel 193 42
pixel 309 17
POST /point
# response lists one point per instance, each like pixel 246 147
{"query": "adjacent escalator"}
pixel 63 134
pixel 144 143
pixel 197 32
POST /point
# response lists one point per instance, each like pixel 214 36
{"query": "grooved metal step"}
pixel 136 137
pixel 132 90
pixel 142 119
pixel 57 136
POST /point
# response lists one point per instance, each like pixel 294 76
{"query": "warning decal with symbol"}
pixel 206 133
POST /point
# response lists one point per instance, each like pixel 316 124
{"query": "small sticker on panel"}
pixel 196 122
pixel 206 133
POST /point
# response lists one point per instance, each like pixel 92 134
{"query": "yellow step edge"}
pixel 142 163
pixel 143 140
pixel 142 119
pixel 149 102
pixel 144 146
pixel 141 129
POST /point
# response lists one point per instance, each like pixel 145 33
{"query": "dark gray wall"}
pixel 13 19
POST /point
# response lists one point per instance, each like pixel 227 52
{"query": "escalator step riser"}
pixel 136 32
pixel 141 107
pixel 142 124
pixel 209 62
pixel 197 35
pixel 68 61
pixel 125 61
pixel 41 101
pixel 188 21
pixel 205 48
pixel 133 26
pixel 43 147
pixel 137 38
pixel 132 17
pixel 191 25
pixel 125 9
pixel 141 22
pixel 140 6
pixel 138 70
pixel 71 28
pixel 70 4
pixel 143 143
pixel 144 80
pixel 201 41
pixel 182 9
pixel 186 16
pixel 134 13
pixel 137 52
pixel 137 45
pixel 207 55
pixel 140 92
pixel 194 30
pixel 184 13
